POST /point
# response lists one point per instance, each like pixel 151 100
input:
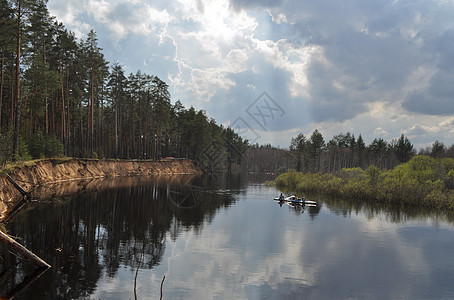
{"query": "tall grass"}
pixel 423 181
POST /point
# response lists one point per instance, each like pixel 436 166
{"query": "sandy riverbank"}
pixel 45 172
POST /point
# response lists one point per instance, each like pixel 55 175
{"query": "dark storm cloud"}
pixel 444 46
pixel 375 46
pixel 327 101
pixel 438 97
pixel 429 103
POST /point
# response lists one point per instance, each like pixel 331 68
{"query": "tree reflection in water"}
pixel 93 233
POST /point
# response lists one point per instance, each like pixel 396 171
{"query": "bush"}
pixel 42 145
pixel 349 173
pixel 288 181
pixel 423 181
pixel 54 147
pixel 6 147
pixel 24 153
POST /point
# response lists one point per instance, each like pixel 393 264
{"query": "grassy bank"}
pixel 423 181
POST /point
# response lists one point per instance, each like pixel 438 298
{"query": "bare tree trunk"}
pixel 24 251
pixel 133 152
pixel 68 120
pixel 101 125
pixel 18 98
pixel 92 131
pixel 63 125
pixel 1 86
pixel 46 112
pixel 11 115
pixel 81 133
pixel 116 128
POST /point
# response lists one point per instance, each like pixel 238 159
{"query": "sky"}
pixel 274 69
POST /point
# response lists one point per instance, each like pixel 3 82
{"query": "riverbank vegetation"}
pixel 59 96
pixel 422 181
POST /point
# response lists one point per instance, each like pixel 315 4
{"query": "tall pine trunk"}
pixel 92 131
pixel 133 153
pixel 1 86
pixel 116 128
pixel 101 139
pixel 68 119
pixel 17 98
pixel 63 125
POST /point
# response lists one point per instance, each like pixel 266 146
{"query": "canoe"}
pixel 295 200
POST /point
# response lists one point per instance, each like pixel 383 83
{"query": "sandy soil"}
pixel 48 172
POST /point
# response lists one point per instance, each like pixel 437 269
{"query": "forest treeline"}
pixel 60 96
pixel 422 181
pixel 312 154
pixel 387 172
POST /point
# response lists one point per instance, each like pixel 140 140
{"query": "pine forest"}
pixel 59 96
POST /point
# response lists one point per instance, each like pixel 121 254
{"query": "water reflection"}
pixel 95 233
pixel 312 210
pixel 392 213
pixel 223 237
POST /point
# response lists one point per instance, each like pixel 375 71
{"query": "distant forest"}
pixel 59 96
pixel 313 154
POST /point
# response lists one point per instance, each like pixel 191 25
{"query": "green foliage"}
pixel 449 180
pixel 422 181
pixel 41 145
pixel 349 173
pixel 373 174
pixel 6 146
pixel 289 180
pixel 24 153
pixel 297 148
pixel 403 149
pixel 438 149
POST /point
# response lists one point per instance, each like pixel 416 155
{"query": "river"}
pixel 223 237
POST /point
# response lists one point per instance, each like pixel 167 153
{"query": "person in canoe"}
pixel 281 197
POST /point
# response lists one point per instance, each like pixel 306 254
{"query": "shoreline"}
pixel 57 171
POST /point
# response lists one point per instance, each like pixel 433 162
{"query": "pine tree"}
pixel 298 147
pixel 403 149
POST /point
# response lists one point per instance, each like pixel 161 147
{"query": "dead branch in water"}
pixel 29 279
pixel 135 278
pixel 24 251
pixel 162 283
pixel 17 186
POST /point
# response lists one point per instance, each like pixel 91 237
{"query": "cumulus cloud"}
pixel 331 64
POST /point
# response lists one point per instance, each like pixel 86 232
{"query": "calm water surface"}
pixel 225 238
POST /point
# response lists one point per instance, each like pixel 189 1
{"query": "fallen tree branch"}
pixel 24 251
pixel 18 187
pixel 135 278
pixel 162 283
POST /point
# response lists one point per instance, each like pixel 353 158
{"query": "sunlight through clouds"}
pixel 335 64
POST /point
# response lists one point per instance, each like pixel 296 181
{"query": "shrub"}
pixel 24 153
pixel 6 147
pixel 349 173
pixel 287 180
pixel 42 145
pixel 54 147
pixel 422 181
